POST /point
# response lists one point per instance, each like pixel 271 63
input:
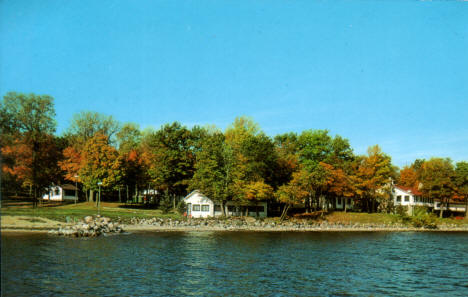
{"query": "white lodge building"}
pixel 61 193
pixel 200 206
pixel 410 197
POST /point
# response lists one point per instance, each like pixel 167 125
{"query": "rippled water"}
pixel 237 264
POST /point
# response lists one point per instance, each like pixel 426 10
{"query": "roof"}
pixel 68 187
pixel 193 193
pixel 410 190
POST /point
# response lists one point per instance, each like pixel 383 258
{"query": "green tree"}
pixel 437 177
pixel 28 122
pixel 87 124
pixel 214 169
pixel 170 158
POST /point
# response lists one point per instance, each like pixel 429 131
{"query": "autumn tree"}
pixel 461 182
pixel 437 178
pixel 295 192
pixel 28 122
pixel 254 158
pixel 408 177
pixel 372 173
pixel 100 162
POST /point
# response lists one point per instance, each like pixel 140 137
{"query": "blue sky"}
pixel 393 73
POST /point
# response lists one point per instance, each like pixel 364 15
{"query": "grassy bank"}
pixel 72 212
pixel 77 211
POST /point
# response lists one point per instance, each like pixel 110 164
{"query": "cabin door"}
pixel 189 209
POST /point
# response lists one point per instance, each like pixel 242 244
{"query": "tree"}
pixel 258 191
pixel 437 177
pixel 372 173
pixel 213 170
pixel 408 177
pixel 100 162
pixel 87 124
pixel 295 192
pixel 28 119
pixel 254 158
pixel 128 137
pixel 461 182
pixel 170 158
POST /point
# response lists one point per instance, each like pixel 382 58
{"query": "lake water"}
pixel 237 264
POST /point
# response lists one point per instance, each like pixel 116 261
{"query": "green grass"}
pixel 80 210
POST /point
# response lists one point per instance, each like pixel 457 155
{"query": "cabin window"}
pixel 231 208
pixel 69 193
pixel 349 201
pixel 398 198
pixel 56 192
pixel 261 209
pixel 217 208
pixel 205 207
pixel 196 207
pixel 406 198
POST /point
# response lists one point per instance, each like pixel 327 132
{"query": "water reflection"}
pixel 236 264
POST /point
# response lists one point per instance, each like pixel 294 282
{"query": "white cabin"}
pixel 200 206
pixel 61 193
pixel 410 197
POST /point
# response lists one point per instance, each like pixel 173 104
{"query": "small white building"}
pixel 342 203
pixel 410 197
pixel 200 206
pixel 61 193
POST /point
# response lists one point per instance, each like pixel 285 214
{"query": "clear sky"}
pixel 393 73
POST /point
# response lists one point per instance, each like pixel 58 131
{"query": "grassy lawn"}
pixel 80 210
pixel 361 218
pixel 383 218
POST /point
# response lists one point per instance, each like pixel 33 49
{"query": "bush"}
pixel 423 219
pixel 165 204
pixel 401 210
pixel 181 207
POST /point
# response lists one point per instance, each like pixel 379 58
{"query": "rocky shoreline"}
pixel 251 224
pixel 95 226
pixel 90 227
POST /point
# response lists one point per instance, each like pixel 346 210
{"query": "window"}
pixel 196 207
pixel 338 200
pixel 406 198
pixel 217 208
pixel 349 201
pixel 57 192
pixel 205 207
pixel 69 193
pixel 231 208
pixel 398 198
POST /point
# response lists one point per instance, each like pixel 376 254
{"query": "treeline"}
pixel 241 164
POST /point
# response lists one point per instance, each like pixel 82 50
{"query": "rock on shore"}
pixel 90 227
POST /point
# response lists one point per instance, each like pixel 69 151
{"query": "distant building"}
pixel 411 197
pixel 200 206
pixel 61 193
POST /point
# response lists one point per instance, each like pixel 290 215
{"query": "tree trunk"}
pixel 174 200
pixel 441 209
pixel 120 197
pixel 127 195
pixel 223 208
pixel 466 206
pixel 285 211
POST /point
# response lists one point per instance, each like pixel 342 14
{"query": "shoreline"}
pixel 157 229
pixel 21 224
